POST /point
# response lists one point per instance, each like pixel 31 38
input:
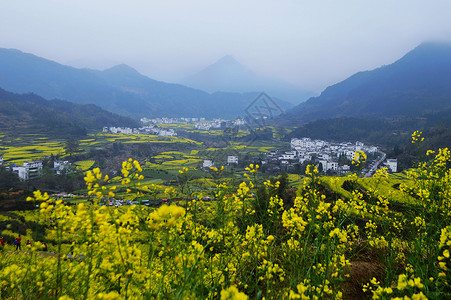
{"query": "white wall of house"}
pixel 61 166
pixel 331 165
pixel 345 168
pixel 372 149
pixel 29 170
pixel 232 159
pixel 324 163
pixel 392 163
pixel 289 155
pixel 207 163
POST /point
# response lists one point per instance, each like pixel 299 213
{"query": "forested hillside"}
pixel 31 113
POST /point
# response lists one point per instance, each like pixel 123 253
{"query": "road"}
pixel 375 165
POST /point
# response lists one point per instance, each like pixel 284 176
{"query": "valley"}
pixel 126 187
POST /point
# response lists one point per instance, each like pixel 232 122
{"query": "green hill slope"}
pixel 416 84
pixel 31 113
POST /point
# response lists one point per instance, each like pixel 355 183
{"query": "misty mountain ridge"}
pixel 30 113
pixel 122 69
pixel 229 75
pixel 120 89
pixel 416 84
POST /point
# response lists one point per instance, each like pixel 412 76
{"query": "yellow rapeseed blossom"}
pixel 232 293
pixel 359 158
pixel 416 137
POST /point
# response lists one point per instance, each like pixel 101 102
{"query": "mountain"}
pixel 228 75
pixel 120 89
pixel 415 85
pixel 386 132
pixel 30 113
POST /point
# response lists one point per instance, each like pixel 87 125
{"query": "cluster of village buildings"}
pixel 148 129
pixel 219 123
pixel 199 123
pixel 231 160
pixel 171 120
pixel 33 169
pixel 327 154
pixel 319 152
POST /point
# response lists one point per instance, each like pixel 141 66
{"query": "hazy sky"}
pixel 309 43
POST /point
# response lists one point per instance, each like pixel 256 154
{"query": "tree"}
pixel 8 179
pixel 72 147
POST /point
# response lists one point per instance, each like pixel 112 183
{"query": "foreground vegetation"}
pixel 385 237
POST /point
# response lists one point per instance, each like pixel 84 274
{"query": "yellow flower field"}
pixel 38 150
pixel 84 165
pixel 335 238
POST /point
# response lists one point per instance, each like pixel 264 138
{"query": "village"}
pixel 166 120
pixel 31 170
pixel 199 123
pixel 330 158
pixel 148 129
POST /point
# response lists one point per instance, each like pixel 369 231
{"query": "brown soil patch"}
pixel 360 273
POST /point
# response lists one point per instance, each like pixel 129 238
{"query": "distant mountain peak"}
pixel 227 74
pixel 120 89
pixel 227 60
pixel 225 65
pixel 122 69
pixel 228 56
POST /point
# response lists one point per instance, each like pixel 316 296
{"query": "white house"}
pixel 345 168
pixel 334 148
pixel 328 165
pixel 301 143
pixel 288 155
pixel 305 157
pixel 203 126
pixel 372 149
pixel 392 164
pixel 319 143
pixel 207 163
pixel 232 159
pixel 359 146
pixel 124 130
pixel 61 166
pixel 331 165
pixel 325 156
pixel 349 154
pixel 168 132
pixel 29 170
pixel 324 164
